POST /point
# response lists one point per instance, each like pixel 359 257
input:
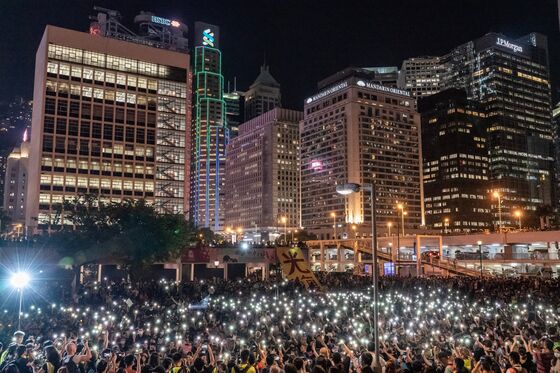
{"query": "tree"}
pixel 130 233
pixel 206 235
pixel 5 221
pixel 300 236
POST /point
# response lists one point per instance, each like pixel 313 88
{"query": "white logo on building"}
pixel 504 43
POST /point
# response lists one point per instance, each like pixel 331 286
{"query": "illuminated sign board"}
pixel 165 21
pixel 161 21
pixel 326 92
pixel 379 87
pixel 506 44
pixel 316 165
pixel 208 37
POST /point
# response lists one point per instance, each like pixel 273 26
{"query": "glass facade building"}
pixel 511 80
pixel 455 161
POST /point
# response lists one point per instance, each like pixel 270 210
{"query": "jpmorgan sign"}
pixel 506 44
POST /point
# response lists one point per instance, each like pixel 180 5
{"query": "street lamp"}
pixel 400 206
pixel 239 232
pixel 346 189
pixel 284 221
pixel 479 243
pixel 354 228
pixel 518 214
pixel 497 195
pixel 19 281
pixel 445 225
pixel 389 225
pixel 333 215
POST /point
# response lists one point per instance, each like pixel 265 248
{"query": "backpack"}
pixel 70 365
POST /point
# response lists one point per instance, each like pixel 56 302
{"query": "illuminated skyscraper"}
pixel 422 76
pixel 109 118
pixel 210 134
pixel 455 157
pixel 263 172
pixel 355 130
pixel 16 182
pixel 511 79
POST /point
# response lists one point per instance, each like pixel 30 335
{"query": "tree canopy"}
pixel 131 232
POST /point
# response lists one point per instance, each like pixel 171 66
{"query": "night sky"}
pixel 304 41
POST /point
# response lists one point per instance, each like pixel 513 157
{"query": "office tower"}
pixel 422 76
pixel 263 95
pixel 234 100
pixel 263 170
pixel 209 131
pixel 455 159
pixel 109 118
pixel 556 132
pixel 15 118
pixel 360 132
pixel 15 182
pixel 511 80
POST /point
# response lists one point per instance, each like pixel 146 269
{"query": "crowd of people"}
pixel 432 324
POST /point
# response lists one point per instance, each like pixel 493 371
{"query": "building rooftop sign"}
pixel 506 44
pixel 326 92
pixel 379 87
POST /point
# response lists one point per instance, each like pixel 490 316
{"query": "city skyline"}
pixel 361 37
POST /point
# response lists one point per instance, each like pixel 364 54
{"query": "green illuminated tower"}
pixel 210 134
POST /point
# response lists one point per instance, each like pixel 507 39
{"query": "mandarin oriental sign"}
pixel 506 44
pixel 326 92
pixel 379 87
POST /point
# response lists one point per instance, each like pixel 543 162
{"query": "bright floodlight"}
pixel 346 189
pixel 19 280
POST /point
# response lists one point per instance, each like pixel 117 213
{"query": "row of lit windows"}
pixel 82 164
pixel 90 58
pixel 93 182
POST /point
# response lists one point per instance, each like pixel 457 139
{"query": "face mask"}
pixel 557 354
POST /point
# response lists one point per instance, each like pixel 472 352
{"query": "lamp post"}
pixel 518 214
pixel 479 243
pixel 389 225
pixel 333 215
pixel 445 225
pixel 349 188
pixel 497 195
pixel 285 221
pixel 400 206
pixel 19 281
pixel 239 232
